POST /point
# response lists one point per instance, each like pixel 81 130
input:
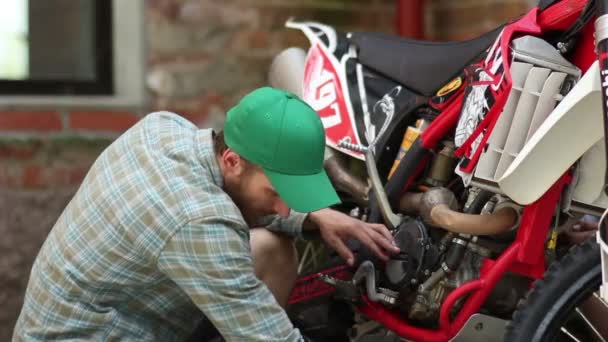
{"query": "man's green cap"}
pixel 277 131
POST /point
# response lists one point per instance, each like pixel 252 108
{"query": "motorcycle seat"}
pixel 421 66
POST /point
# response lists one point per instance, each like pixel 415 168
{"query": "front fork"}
pixel 601 42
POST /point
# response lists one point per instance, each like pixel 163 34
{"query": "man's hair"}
pixel 219 147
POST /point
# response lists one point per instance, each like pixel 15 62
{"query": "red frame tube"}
pixel 394 322
pixel 482 286
pixel 442 125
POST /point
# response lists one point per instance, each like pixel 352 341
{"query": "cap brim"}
pixel 304 193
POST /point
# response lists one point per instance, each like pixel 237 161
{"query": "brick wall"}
pixel 447 20
pixel 202 56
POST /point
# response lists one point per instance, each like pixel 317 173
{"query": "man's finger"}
pixel 338 245
pixel 383 242
pixel 380 228
pixel 364 236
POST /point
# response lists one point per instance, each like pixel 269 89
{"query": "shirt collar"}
pixel 206 155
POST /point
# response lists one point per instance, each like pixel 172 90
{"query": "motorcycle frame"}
pixel 525 255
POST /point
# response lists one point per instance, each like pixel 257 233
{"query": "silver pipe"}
pixel 432 280
pixel 391 219
pixel 367 271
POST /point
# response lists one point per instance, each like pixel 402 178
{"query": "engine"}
pixel 433 260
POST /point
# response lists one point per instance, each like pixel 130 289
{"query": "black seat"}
pixel 421 66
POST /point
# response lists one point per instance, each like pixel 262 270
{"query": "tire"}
pixel 551 303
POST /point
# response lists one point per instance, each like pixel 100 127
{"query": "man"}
pixel 157 237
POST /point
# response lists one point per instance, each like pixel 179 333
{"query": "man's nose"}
pixel 281 208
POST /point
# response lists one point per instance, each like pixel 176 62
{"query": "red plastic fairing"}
pixel 444 123
pixel 561 15
pixel 584 53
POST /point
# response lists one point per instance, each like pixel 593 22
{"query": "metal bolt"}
pixel 413 281
pixel 427 272
pixel 479 326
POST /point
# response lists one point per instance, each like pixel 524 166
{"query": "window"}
pixel 56 47
pixel 66 52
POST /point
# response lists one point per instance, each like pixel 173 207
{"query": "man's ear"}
pixel 233 163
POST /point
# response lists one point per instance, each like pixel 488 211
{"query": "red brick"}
pixel 41 176
pixel 32 176
pixel 102 121
pixel 18 151
pixel 76 175
pixel 30 121
pixel 6 178
pixel 259 39
pixel 63 175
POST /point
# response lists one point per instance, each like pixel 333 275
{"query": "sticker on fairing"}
pixel 473 111
pixel 450 87
pixel 324 90
pixel 485 95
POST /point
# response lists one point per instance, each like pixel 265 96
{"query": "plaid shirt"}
pixel 148 244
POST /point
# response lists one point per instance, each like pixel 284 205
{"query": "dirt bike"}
pixel 478 156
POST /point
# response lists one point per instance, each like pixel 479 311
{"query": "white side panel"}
pixel 519 73
pixel 590 182
pixel 521 121
pixel 569 131
pixel 547 101
pixel 488 161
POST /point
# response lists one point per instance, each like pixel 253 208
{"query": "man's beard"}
pixel 236 193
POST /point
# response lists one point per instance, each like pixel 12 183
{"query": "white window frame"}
pixel 129 65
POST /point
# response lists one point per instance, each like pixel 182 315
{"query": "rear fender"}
pixel 316 33
pixel 324 85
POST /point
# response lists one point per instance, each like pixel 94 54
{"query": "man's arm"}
pixel 335 228
pixel 291 225
pixel 211 261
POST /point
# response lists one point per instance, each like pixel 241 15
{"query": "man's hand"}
pixel 336 227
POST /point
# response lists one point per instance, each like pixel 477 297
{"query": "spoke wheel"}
pixel 564 305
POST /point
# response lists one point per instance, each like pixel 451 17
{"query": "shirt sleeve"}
pixel 211 261
pixel 291 225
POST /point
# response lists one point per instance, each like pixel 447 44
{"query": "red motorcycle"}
pixel 479 156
